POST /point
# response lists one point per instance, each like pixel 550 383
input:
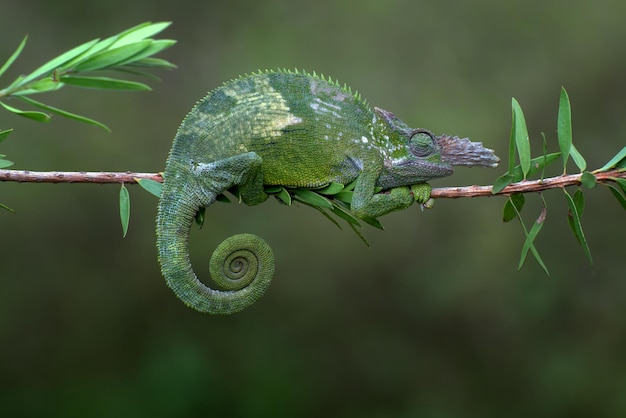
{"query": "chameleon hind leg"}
pixel 243 171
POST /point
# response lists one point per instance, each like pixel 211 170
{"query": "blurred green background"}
pixel 432 321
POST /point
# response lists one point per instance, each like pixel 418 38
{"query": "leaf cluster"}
pixel 519 146
pixel 130 52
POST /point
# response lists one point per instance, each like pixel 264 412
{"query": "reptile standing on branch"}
pixel 298 131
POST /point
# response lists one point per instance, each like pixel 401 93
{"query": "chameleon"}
pixel 297 130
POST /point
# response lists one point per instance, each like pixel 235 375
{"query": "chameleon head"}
pixel 449 150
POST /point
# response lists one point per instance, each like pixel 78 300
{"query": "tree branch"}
pixel 437 193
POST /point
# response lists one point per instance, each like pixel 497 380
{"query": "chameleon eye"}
pixel 422 143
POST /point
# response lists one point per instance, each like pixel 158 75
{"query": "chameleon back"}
pixel 283 117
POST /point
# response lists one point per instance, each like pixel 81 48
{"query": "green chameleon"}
pixel 299 131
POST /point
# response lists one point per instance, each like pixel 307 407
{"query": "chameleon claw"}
pixel 428 204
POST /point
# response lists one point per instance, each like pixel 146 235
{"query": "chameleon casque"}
pixel 299 131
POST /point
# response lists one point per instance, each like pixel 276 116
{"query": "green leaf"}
pixel 588 180
pixel 104 83
pixel 139 32
pixel 312 198
pixel 564 127
pixel 57 62
pixel 151 186
pixel 350 186
pixel 344 196
pixel 36 116
pixel 331 189
pixel 613 162
pixel 529 243
pixel 272 189
pixel 6 208
pixel 521 137
pixel 513 206
pixel 13 56
pixel 516 174
pixel 5 134
pixel 501 182
pixel 621 183
pixel 284 196
pixel 345 215
pixel 5 163
pixel 578 158
pixel 111 57
pixel 124 209
pixel 154 48
pixel 573 219
pixel 153 63
pixel 64 113
pixel 620 197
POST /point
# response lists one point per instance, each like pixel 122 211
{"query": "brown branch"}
pixel 75 176
pixel 437 193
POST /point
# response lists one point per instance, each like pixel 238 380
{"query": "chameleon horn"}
pixel 462 151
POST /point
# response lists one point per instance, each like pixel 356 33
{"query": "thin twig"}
pixel 102 177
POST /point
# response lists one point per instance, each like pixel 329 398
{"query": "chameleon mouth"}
pixel 463 152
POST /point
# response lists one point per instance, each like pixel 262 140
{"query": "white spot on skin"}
pixel 364 140
pixel 322 108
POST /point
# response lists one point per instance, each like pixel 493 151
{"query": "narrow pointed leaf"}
pixel 345 215
pixel 5 134
pixel 312 198
pixel 124 209
pixel 6 208
pixel 139 32
pixel 151 186
pixel 104 83
pixel 153 48
pixel 375 223
pixel 501 182
pixel 573 218
pixel 620 197
pixel 344 196
pixel 13 56
pixel 513 206
pixel 153 62
pixel 57 62
pixel 621 183
pixel 284 196
pixel 564 127
pixel 620 156
pixel 5 163
pixel 111 57
pixel 64 113
pixel 529 245
pixel 522 142
pixel 272 189
pixel 579 160
pixel 36 116
pixel 331 189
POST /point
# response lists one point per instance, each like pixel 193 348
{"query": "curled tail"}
pixel 242 265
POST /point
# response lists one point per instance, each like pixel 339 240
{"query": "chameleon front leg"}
pixel 367 205
pixel 242 265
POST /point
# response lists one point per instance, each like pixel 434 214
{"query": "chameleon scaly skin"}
pixel 296 130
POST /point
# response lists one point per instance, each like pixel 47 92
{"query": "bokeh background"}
pixel 432 321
